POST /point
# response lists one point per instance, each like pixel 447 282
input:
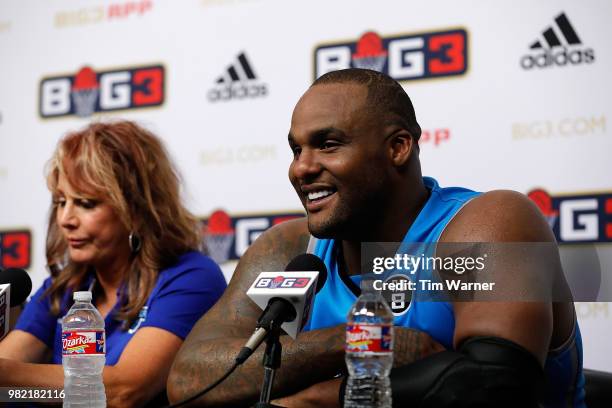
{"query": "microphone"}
pixel 20 281
pixel 286 299
pixel 21 284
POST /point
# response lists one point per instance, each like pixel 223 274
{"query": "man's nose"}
pixel 306 165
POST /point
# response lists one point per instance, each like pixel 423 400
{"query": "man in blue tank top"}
pixel 354 138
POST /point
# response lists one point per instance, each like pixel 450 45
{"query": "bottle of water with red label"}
pixel 369 350
pixel 84 354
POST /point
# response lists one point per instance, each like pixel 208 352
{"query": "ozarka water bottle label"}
pixel 364 338
pixel 83 342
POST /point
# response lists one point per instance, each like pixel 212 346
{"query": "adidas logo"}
pixel 559 45
pixel 566 29
pixel 238 82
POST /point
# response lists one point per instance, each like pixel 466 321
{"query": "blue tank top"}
pixel 563 367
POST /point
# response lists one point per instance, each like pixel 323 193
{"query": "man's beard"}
pixel 348 222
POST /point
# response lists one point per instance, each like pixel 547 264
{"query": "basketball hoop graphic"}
pixel 85 92
pixel 219 236
pixel 370 53
pixel 544 202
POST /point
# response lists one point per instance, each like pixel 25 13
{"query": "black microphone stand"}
pixel 271 362
pixel 278 313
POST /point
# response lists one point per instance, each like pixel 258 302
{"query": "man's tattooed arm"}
pixel 411 345
pixel 211 347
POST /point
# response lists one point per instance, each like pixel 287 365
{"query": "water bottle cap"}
pixel 367 283
pixel 84 296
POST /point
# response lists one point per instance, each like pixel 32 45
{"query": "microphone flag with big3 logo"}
pixel 21 285
pixel 297 285
pixel 5 299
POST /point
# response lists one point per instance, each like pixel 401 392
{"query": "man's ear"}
pixel 401 146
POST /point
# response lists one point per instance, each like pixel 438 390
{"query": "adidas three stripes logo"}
pixel 551 36
pixel 239 81
pixel 239 71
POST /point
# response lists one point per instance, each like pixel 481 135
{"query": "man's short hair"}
pixel 385 95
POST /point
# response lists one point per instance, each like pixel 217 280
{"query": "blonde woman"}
pixel 118 228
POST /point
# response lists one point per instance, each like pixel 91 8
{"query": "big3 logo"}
pixel 402 57
pixel 15 249
pixel 577 217
pixel 88 91
pixel 228 237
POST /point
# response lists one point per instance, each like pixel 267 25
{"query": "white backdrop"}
pixel 498 125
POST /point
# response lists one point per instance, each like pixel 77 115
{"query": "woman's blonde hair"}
pixel 129 167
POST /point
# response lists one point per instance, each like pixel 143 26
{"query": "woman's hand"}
pixel 139 375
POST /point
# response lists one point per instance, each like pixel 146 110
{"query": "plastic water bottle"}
pixel 369 351
pixel 84 354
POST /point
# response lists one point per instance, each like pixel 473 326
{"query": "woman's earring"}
pixel 135 243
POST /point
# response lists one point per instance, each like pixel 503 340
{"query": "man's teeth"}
pixel 315 195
